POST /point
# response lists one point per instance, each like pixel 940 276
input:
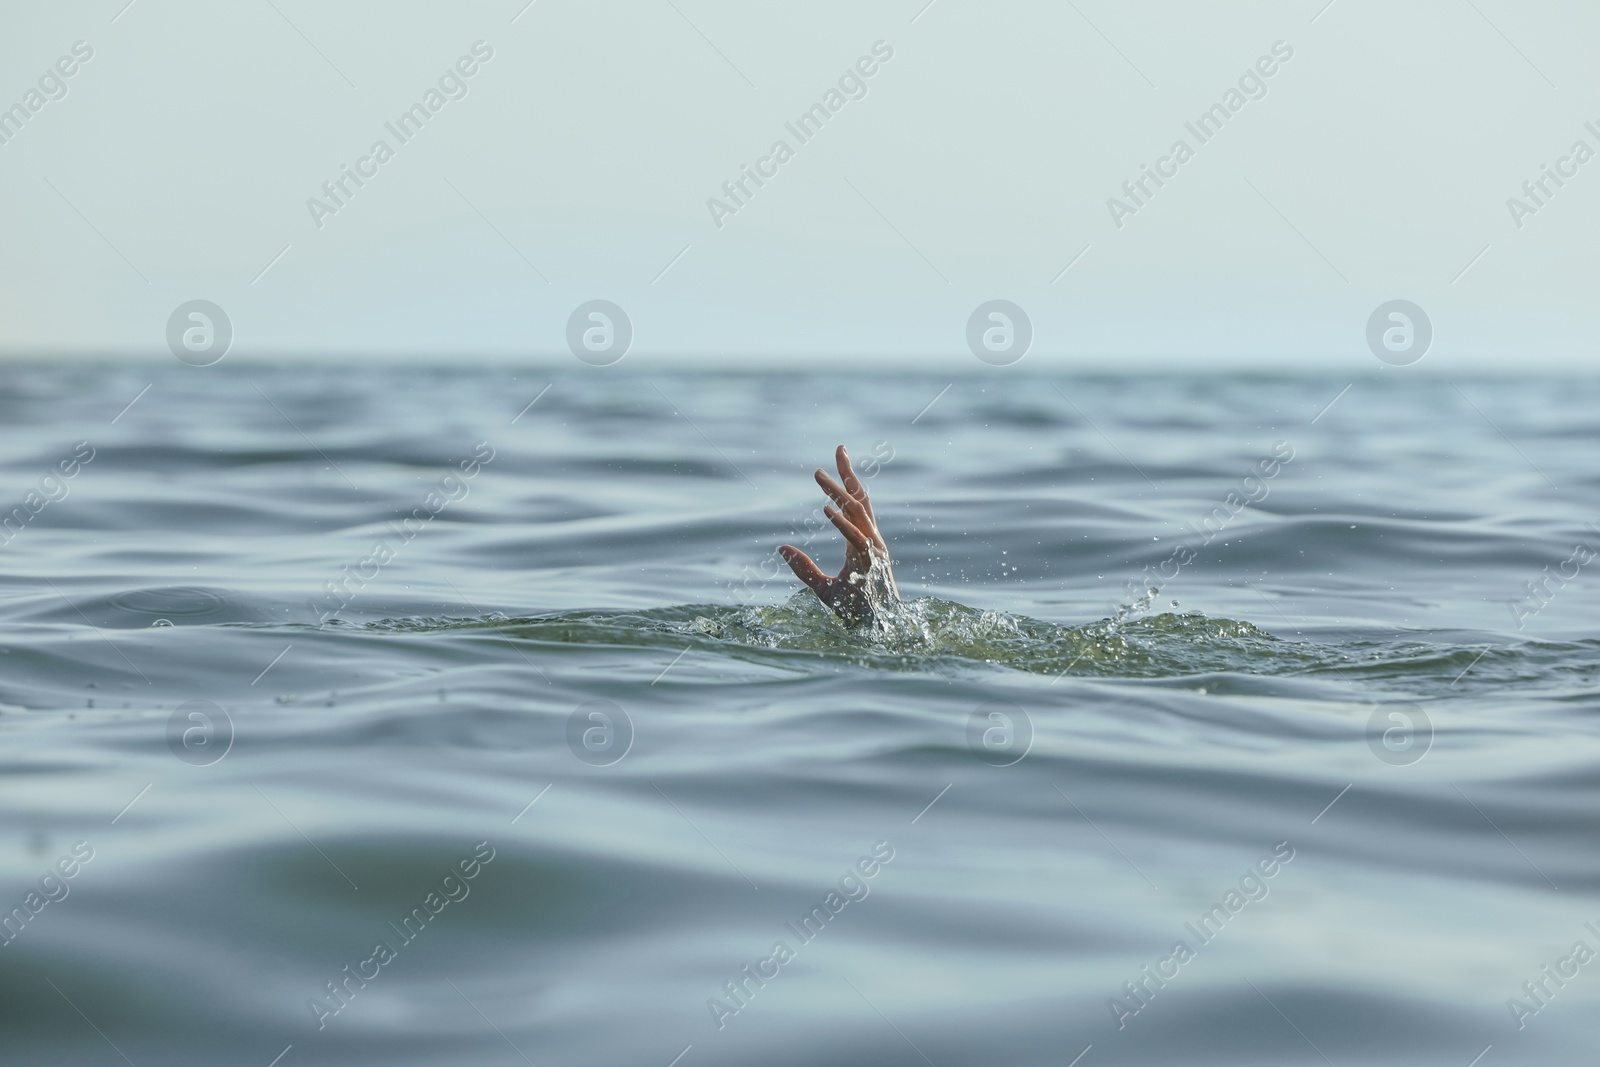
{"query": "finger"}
pixel 833 489
pixel 861 517
pixel 853 509
pixel 851 532
pixel 804 569
pixel 856 505
pixel 847 473
pixel 852 484
pixel 857 513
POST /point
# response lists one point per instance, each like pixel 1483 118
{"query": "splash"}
pixel 929 634
pixel 1133 608
pixel 924 633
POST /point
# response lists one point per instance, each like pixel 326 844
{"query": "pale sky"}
pixel 1375 163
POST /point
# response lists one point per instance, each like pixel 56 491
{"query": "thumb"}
pixel 803 568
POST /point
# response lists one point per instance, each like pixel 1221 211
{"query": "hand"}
pixel 867 577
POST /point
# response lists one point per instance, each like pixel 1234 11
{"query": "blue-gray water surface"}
pixel 416 716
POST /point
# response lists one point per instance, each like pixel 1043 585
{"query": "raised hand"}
pixel 866 578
